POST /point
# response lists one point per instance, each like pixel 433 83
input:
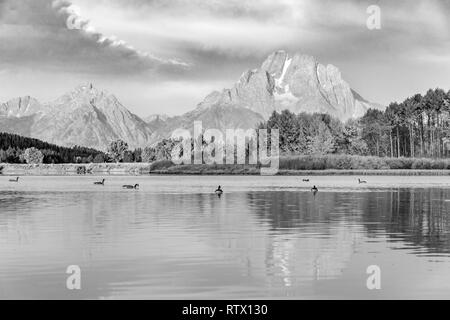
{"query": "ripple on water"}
pixel 265 237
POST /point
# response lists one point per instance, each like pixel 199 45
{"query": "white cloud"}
pixel 75 20
pixel 257 27
pixel 51 34
pixel 219 39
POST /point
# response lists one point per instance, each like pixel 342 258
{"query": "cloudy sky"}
pixel 164 56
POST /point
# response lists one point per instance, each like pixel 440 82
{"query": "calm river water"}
pixel 266 237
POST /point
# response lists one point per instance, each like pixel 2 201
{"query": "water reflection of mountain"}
pixel 272 241
pixel 320 233
pixel 418 216
pixel 308 237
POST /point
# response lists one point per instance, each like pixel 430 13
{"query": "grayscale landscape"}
pixel 267 150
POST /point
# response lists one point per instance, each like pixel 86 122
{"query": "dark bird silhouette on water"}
pixel 100 182
pixel 219 190
pixel 14 180
pixel 129 186
pixel 361 181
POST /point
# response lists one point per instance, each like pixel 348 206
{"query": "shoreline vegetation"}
pixel 289 165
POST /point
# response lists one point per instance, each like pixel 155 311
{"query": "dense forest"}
pixel 416 127
pixel 13 147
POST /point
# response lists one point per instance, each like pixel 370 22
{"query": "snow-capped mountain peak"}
pixel 298 83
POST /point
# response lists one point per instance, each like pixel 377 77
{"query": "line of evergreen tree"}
pixel 417 127
pixel 12 147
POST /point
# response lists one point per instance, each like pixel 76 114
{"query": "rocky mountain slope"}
pixel 212 117
pixel 298 83
pixel 20 107
pixel 85 117
pixel 93 118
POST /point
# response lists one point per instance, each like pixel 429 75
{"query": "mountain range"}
pixel 85 116
pixel 93 118
pixel 297 83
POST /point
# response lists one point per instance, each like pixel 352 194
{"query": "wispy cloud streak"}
pixel 54 34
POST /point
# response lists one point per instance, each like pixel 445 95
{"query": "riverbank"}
pixel 107 169
pixel 74 169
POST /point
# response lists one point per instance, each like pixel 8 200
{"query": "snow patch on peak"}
pixel 293 82
pixel 280 80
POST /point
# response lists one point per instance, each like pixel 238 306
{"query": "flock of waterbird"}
pixel 101 183
pixel 219 191
pixel 125 186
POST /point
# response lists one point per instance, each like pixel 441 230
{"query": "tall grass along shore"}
pixel 289 165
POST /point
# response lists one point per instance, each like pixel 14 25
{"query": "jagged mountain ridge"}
pixel 20 107
pixel 85 117
pixel 93 118
pixel 298 83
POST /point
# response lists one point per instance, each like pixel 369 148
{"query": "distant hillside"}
pixel 217 117
pixel 12 147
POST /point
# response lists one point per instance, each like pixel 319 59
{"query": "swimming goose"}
pixel 129 186
pixel 361 181
pixel 219 190
pixel 14 180
pixel 100 182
